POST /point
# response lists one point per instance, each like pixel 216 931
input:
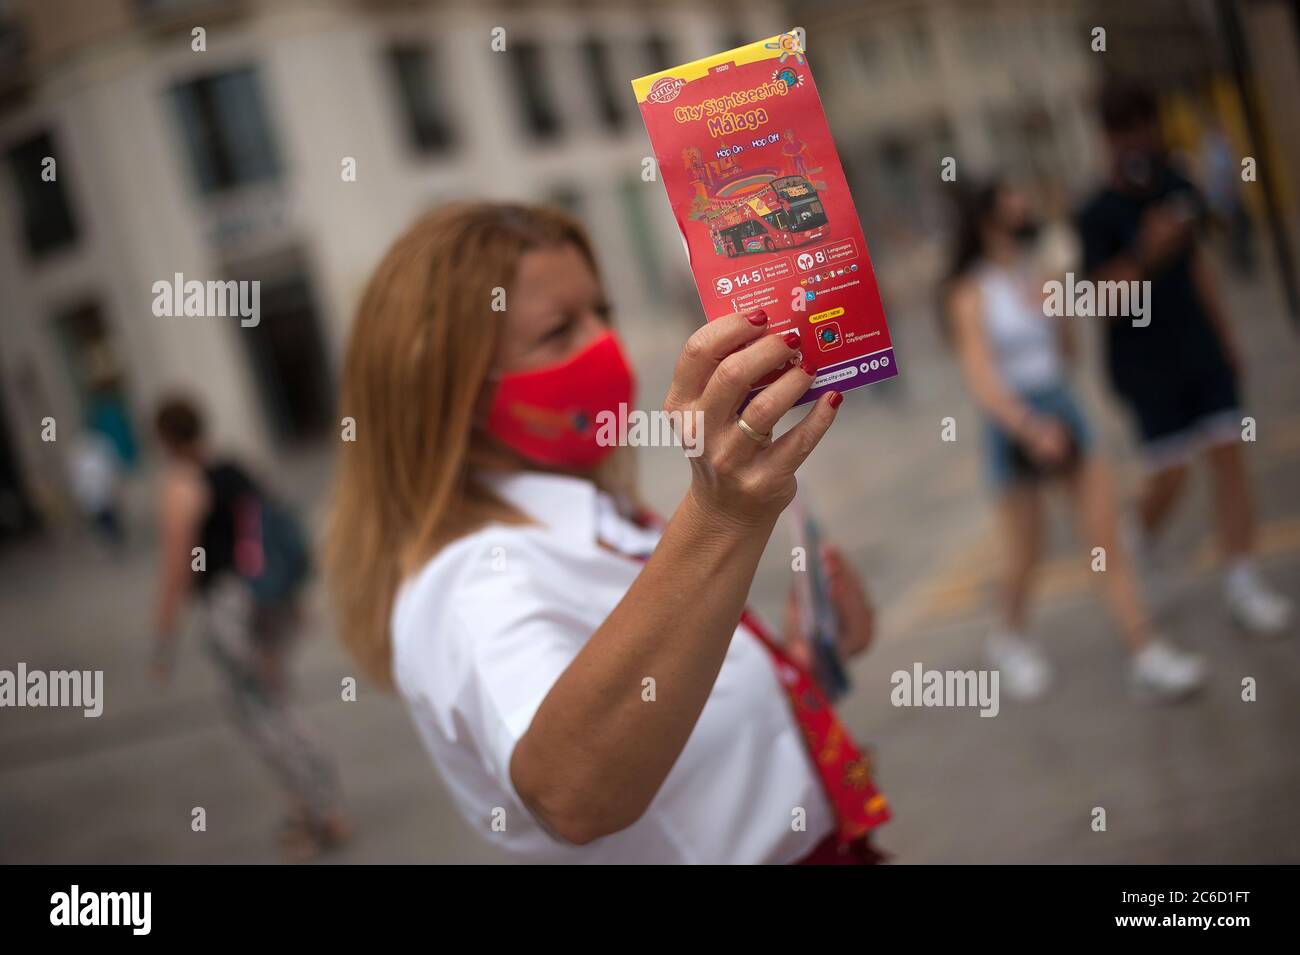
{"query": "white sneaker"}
pixel 1025 672
pixel 1253 605
pixel 1164 673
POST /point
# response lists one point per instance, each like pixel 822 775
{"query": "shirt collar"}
pixel 573 508
pixel 566 505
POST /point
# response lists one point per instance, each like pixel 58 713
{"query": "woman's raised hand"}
pixel 737 475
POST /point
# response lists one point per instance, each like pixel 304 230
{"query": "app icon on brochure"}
pixel 828 336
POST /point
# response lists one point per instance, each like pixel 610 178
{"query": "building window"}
pixel 835 57
pixel 982 37
pixel 13 38
pixel 46 213
pixel 870 55
pixel 287 353
pixel 226 130
pixel 641 230
pixel 733 37
pixel 423 107
pixel 659 52
pixel 918 46
pixel 17 514
pixel 609 104
pixel 534 92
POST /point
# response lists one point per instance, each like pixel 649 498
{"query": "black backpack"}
pixel 271 551
pixel 253 535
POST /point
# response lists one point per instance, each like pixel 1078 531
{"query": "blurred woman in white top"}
pixel 1036 434
pixel 576 673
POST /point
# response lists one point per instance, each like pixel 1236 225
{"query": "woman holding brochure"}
pixel 587 680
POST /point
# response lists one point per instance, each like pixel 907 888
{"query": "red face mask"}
pixel 549 414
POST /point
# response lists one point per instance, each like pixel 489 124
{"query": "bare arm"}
pixel 982 378
pixel 184 499
pixel 596 753
pixel 1041 435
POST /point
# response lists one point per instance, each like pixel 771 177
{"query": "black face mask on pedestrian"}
pixel 1026 231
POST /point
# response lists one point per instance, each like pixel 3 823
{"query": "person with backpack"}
pixel 245 561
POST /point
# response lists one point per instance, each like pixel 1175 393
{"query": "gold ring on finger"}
pixel 758 436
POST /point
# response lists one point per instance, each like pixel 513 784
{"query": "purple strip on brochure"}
pixel 845 376
pixel 863 370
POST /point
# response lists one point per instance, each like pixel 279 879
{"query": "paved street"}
pixel 1214 780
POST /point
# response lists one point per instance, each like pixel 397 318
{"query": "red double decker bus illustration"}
pixel 783 214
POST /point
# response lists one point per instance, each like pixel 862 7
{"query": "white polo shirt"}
pixel 485 628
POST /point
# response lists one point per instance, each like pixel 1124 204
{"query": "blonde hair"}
pixel 418 358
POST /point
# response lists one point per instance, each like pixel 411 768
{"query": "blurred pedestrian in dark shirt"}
pixel 1177 370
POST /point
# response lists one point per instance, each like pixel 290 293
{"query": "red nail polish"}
pixel 835 398
pixel 757 317
pixel 791 339
pixel 808 367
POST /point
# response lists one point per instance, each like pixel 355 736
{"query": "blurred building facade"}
pixel 228 163
pixel 1007 87
pixel 999 86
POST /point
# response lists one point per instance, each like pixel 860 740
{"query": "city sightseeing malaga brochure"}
pixel 759 195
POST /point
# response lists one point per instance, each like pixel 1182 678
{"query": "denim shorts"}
pixel 1000 448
